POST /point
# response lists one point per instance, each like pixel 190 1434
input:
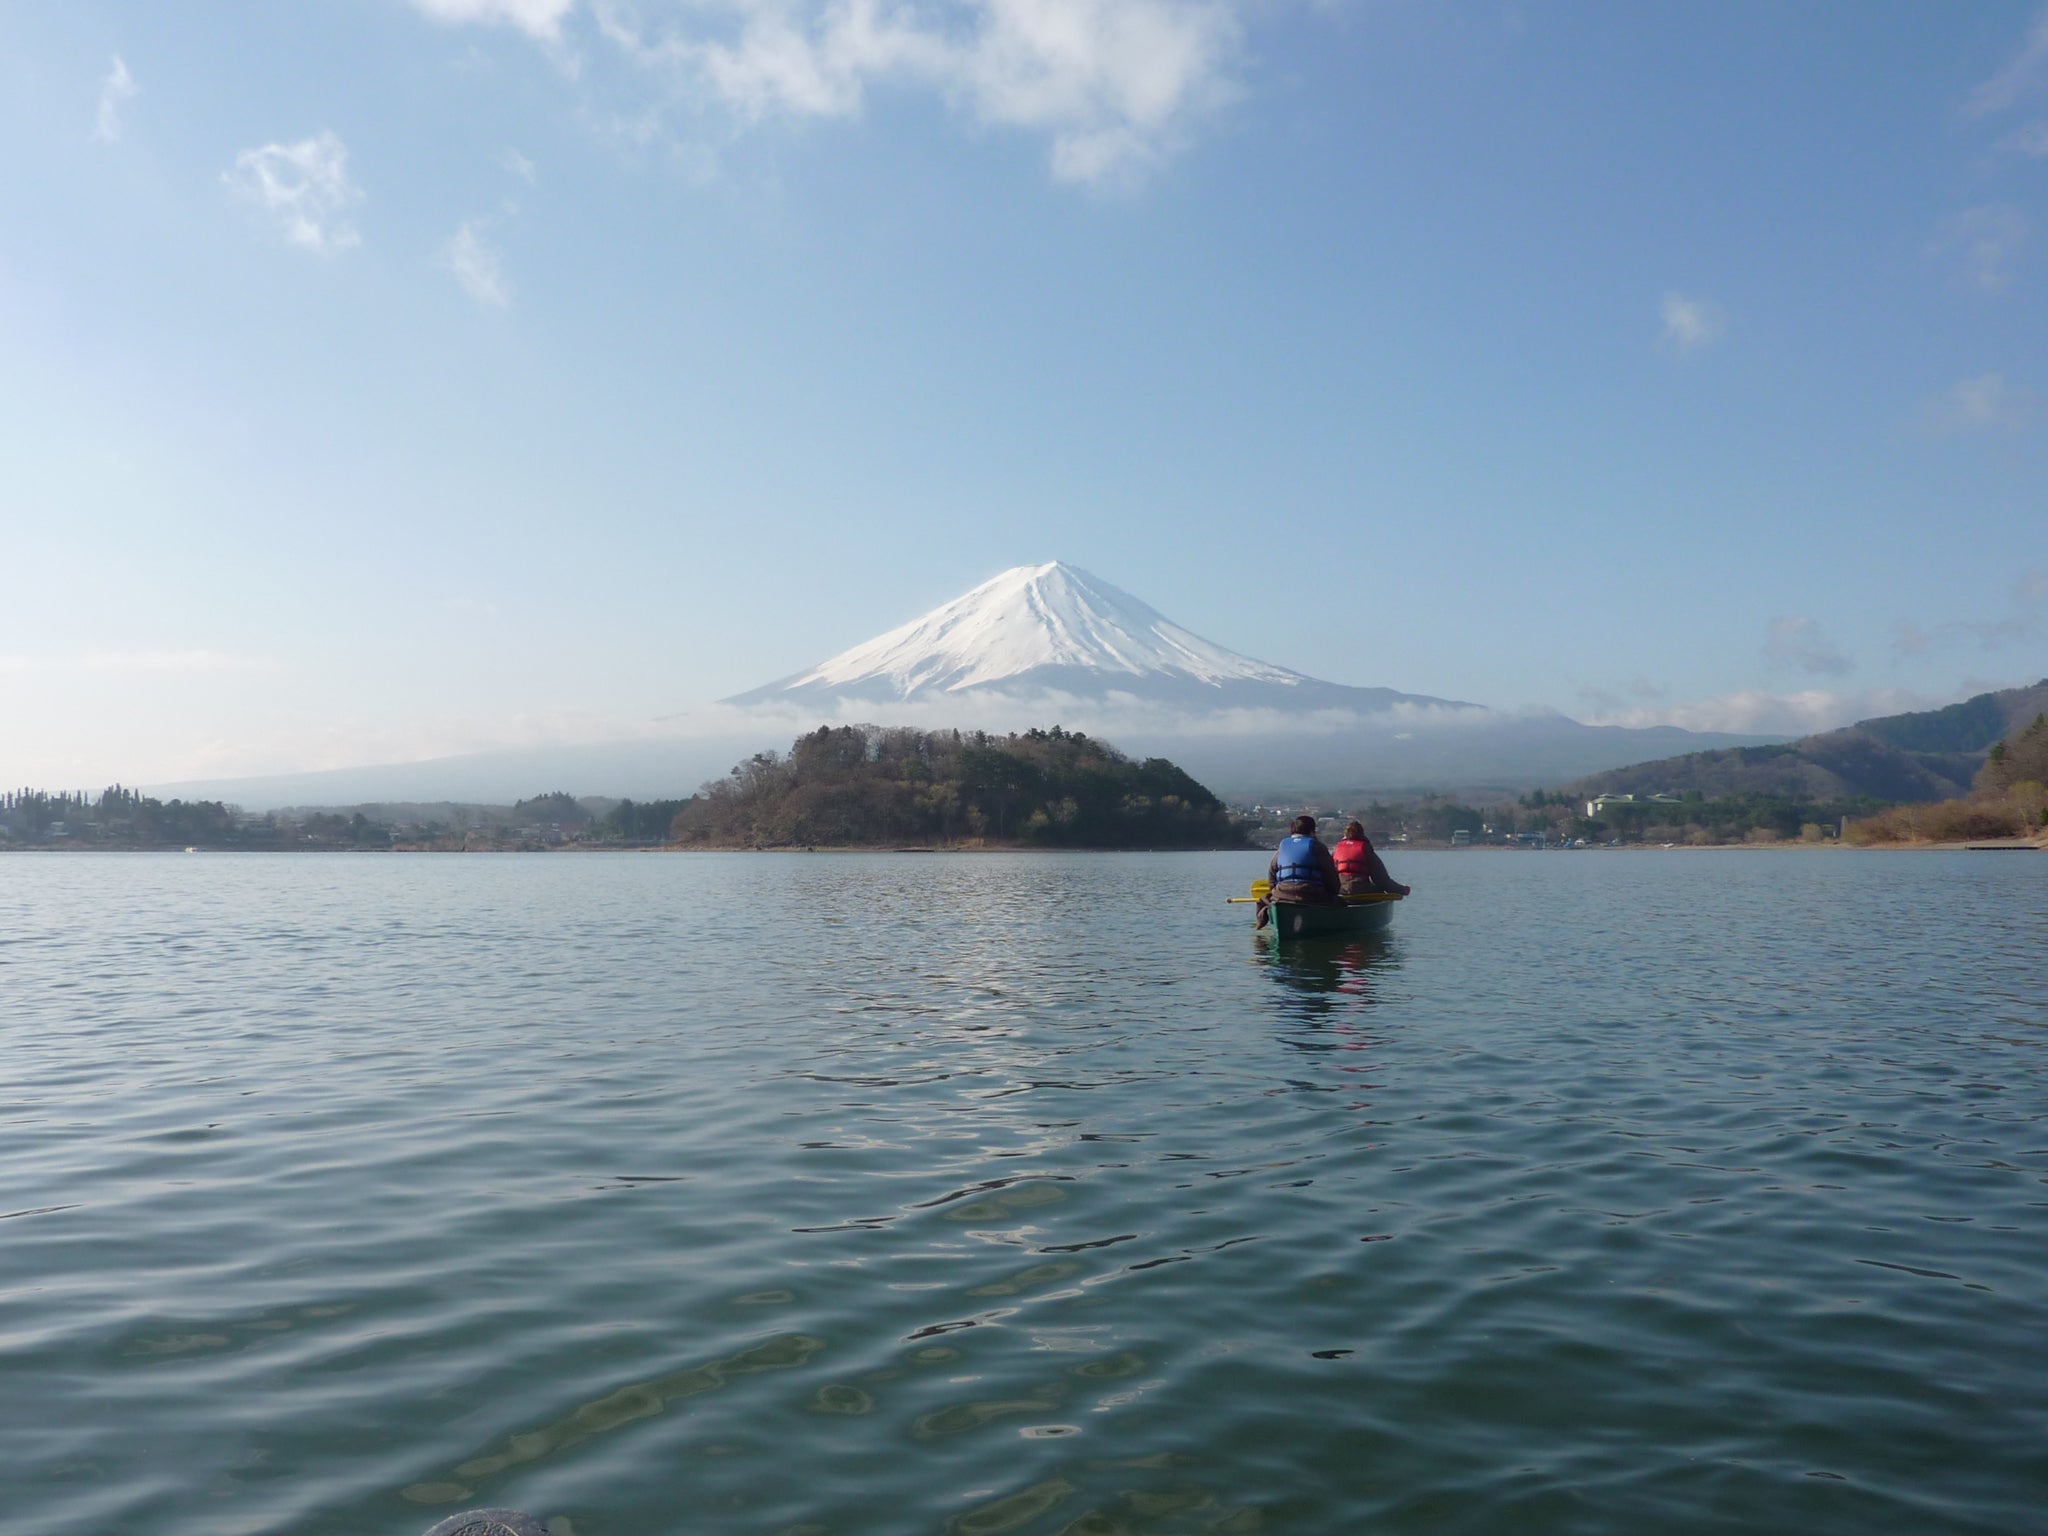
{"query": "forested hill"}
pixel 1923 756
pixel 855 786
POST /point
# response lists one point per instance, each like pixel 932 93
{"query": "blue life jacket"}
pixel 1298 860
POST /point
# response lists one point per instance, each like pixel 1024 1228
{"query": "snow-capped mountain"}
pixel 1051 644
pixel 1055 630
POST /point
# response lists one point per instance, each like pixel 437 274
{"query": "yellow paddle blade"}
pixel 1261 889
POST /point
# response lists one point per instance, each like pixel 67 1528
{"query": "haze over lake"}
pixel 880 1194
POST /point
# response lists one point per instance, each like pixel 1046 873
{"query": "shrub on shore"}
pixel 2008 800
pixel 2020 811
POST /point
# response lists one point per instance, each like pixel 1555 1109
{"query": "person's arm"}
pixel 1273 868
pixel 1326 861
pixel 1377 868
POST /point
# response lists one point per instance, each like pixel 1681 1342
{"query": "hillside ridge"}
pixel 1917 757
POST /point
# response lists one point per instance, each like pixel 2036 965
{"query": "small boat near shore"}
pixel 1290 921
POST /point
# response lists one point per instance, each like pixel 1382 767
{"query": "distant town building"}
pixel 1601 803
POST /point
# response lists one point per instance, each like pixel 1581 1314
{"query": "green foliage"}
pixel 556 808
pixel 1730 818
pixel 1970 726
pixel 2008 799
pixel 642 821
pixel 123 818
pixel 2022 758
pixel 867 785
pixel 1436 820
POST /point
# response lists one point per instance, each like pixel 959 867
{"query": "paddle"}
pixel 1368 898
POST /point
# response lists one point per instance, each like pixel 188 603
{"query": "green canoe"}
pixel 1289 920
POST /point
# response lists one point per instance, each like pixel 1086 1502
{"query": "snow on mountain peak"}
pixel 1029 617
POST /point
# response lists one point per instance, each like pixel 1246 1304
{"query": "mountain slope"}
pixel 1921 756
pixel 1051 644
pixel 1039 646
pixel 1054 629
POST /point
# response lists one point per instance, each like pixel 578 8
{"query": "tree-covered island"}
pixel 873 786
pixel 838 787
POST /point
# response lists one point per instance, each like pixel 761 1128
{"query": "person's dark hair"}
pixel 1305 826
pixel 1353 829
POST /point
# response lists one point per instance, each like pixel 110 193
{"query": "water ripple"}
pixel 845 1195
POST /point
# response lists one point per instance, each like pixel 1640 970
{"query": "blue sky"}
pixel 387 378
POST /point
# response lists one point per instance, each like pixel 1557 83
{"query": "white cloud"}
pixel 2019 77
pixel 536 18
pixel 155 663
pixel 1111 80
pixel 116 91
pixel 1753 712
pixel 2023 623
pixel 1690 324
pixel 1986 239
pixel 2030 140
pixel 518 165
pixel 1985 403
pixel 1798 643
pixel 1115 84
pixel 305 185
pixel 476 266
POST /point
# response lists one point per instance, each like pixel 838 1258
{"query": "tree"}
pixel 2022 758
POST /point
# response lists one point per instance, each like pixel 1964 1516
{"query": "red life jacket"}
pixel 1351 856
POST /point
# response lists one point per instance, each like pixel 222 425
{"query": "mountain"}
pixel 1045 644
pixel 1055 630
pixel 643 770
pixel 1922 756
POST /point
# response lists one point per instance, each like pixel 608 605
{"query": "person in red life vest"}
pixel 1302 870
pixel 1360 870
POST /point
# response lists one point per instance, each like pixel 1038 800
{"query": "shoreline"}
pixel 1830 845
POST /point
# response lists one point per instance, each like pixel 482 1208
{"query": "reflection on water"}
pixel 856 1195
pixel 638 1400
pixel 1332 974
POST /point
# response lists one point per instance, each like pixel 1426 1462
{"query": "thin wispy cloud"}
pixel 116 91
pixel 477 266
pixel 518 165
pixel 2023 623
pixel 1116 86
pixel 305 186
pixel 1986 403
pixel 1798 644
pixel 2019 78
pixel 1690 324
pixel 1985 240
pixel 2031 140
pixel 536 18
pixel 1638 692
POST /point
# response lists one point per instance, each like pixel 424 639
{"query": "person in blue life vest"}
pixel 1302 870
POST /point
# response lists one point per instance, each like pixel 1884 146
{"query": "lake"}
pixel 673 1194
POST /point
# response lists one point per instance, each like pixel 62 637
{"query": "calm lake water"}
pixel 664 1195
